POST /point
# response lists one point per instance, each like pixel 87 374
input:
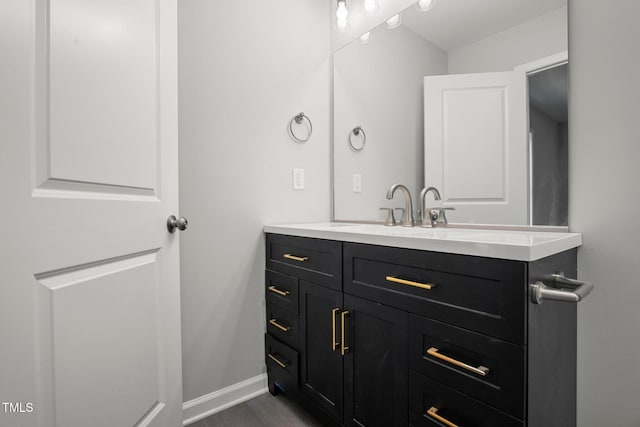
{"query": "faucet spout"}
pixel 407 216
pixel 427 219
pixel 425 191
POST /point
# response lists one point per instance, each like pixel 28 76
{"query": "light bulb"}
pixel 342 13
pixel 364 39
pixel 393 22
pixel 424 5
pixel 341 16
pixel 369 7
pixel 341 25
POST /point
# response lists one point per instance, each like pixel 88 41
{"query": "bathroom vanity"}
pixel 393 326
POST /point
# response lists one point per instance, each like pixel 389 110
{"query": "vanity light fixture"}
pixel 364 39
pixel 424 5
pixel 369 7
pixel 342 15
pixel 393 22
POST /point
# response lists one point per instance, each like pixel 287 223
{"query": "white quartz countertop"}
pixel 515 245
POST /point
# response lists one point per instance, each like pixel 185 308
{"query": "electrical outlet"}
pixel 298 179
pixel 357 183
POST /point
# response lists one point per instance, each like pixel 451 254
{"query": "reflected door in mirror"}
pixel 476 145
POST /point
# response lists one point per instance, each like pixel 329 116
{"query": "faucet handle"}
pixel 441 217
pixel 401 214
pixel 391 220
pixel 435 216
pixel 429 217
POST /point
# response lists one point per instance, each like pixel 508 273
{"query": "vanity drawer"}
pixel 477 365
pixel 282 364
pixel 431 402
pixel 282 325
pixel 482 294
pixel 316 260
pixel 282 291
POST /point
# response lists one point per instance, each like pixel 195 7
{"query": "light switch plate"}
pixel 357 183
pixel 298 179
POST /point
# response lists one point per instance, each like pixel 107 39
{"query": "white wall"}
pixel 535 39
pixel 379 87
pixel 604 205
pixel 245 69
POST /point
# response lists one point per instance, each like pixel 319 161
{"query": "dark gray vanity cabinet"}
pixel 381 336
pixel 345 355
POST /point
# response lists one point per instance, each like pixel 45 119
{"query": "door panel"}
pixel 465 143
pixel 101 91
pixel 90 311
pixel 321 370
pixel 375 368
pixel 476 128
pixel 91 349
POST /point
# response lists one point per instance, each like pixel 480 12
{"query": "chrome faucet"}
pixel 407 215
pixel 432 217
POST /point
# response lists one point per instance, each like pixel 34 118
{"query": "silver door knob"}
pixel 173 223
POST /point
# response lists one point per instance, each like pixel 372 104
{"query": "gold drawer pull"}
pixel 433 413
pixel 278 291
pixel 275 323
pixel 334 344
pixel 480 370
pixel 410 283
pixel 278 361
pixel 343 349
pixel 296 258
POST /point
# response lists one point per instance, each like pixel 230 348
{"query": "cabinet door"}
pixel 321 370
pixel 376 364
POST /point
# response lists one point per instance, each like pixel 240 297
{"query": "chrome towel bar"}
pixel 576 292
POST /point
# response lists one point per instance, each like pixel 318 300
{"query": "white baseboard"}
pixel 203 406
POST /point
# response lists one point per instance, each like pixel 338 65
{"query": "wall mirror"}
pixel 438 100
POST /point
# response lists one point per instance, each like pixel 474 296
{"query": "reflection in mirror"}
pixel 549 138
pixel 379 85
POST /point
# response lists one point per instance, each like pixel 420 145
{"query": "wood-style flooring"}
pixel 262 411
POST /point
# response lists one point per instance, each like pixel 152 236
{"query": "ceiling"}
pixel 452 24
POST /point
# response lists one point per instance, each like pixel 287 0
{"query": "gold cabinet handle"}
pixel 334 344
pixel 278 361
pixel 410 283
pixel 343 349
pixel 296 258
pixel 480 370
pixel 278 291
pixel 433 413
pixel 275 323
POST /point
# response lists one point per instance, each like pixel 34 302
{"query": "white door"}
pixel 476 128
pixel 89 292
